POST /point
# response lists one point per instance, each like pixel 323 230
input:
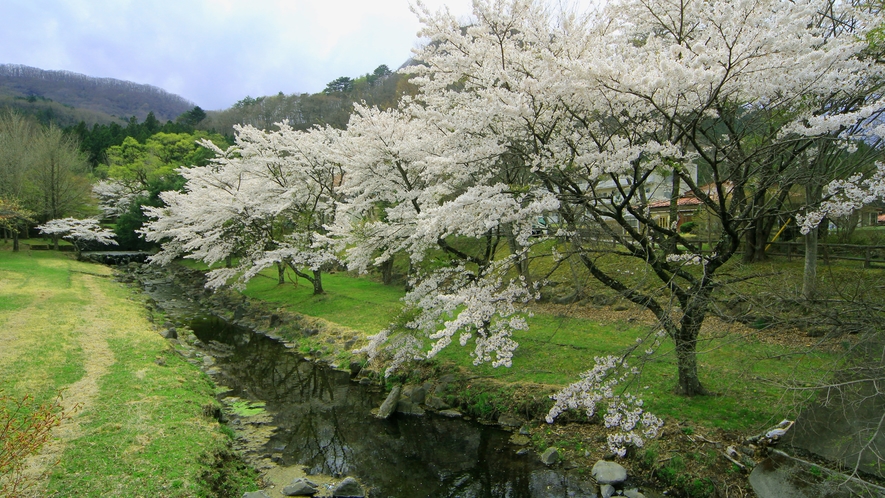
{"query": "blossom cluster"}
pixel 79 231
pixel 265 200
pixel 624 412
pixel 846 196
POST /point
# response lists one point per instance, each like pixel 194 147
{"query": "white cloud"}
pixel 214 52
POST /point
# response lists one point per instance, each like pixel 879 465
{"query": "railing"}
pixel 870 255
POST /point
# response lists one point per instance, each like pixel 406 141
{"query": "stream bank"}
pixel 301 406
pixel 295 416
pixel 705 464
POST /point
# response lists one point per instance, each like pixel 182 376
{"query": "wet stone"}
pixel 418 395
pixel 300 487
pixel 390 404
pixel 510 421
pixel 355 367
pixel 436 403
pixel 550 456
pixel 609 472
pixel 349 488
pixel 606 491
pixel 407 407
pixel 520 440
pixel 255 494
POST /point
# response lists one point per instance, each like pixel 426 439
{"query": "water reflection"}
pixel 325 424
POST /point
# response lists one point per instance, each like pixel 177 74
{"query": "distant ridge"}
pixel 101 96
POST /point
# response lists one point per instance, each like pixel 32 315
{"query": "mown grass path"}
pixel 141 426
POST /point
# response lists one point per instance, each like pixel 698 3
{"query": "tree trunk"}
pixel 813 195
pixel 684 334
pixel 14 240
pixel 55 242
pixel 809 275
pixel 522 263
pixel 316 279
pixel 688 382
pixel 387 271
pixel 317 282
pixel 281 273
pixel 409 276
pixel 754 242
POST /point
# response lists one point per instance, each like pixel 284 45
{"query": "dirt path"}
pixel 79 397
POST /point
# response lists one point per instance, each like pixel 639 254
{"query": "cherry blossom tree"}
pixel 407 190
pixel 79 232
pixel 263 201
pixel 592 117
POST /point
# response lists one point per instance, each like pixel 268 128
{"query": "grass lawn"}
pixel 141 427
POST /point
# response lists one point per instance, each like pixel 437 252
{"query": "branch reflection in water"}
pixel 325 424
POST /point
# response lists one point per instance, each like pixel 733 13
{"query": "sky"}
pixel 214 52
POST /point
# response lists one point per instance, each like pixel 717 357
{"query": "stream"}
pixel 320 419
pixel 324 423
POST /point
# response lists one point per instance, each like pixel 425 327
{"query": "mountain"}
pixel 67 98
pixel 332 106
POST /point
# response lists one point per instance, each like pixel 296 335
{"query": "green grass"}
pixel 358 303
pixel 143 426
pixel 745 374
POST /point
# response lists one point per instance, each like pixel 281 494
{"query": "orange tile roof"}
pixel 688 200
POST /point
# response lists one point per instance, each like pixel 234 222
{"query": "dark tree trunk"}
pixel 688 383
pixel 316 279
pixel 387 271
pixel 409 277
pixel 684 334
pixel 14 240
pixel 317 282
pixel 754 242
pixel 522 263
pixel 281 273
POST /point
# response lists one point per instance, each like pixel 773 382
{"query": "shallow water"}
pixel 324 423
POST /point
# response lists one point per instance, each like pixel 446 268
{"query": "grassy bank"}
pixel 746 365
pixel 143 422
pixel 745 368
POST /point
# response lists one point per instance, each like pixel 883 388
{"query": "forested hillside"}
pixel 333 106
pixel 66 98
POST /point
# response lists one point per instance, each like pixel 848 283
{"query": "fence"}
pixel 870 255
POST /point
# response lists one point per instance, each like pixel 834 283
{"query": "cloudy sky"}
pixel 213 52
